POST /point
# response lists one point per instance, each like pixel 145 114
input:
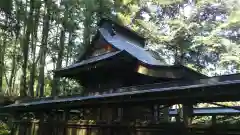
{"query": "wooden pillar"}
pixel 30 124
pixel 107 118
pixel 82 113
pixel 165 113
pixel 90 114
pixel 115 113
pixel 95 116
pixel 214 120
pixel 65 119
pixel 179 113
pixel 51 122
pixel 125 113
pixel 99 114
pixel 187 112
pixel 66 114
pixel 156 113
pixel 178 118
pixel 15 126
pixel 40 126
pixel 12 130
pixel 119 113
pixel 107 113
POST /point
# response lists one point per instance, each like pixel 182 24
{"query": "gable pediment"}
pixel 100 47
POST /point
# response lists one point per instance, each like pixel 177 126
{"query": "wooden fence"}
pixel 86 128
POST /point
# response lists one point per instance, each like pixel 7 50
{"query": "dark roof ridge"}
pixel 120 25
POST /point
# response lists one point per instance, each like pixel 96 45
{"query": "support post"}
pixel 65 120
pixel 165 113
pixel 66 115
pixel 187 114
pixel 99 114
pixel 214 120
pixel 156 113
pixel 107 113
pixel 120 113
pixel 40 117
pixel 15 126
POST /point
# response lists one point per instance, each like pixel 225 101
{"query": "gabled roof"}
pixel 122 29
pixel 90 61
pixel 125 40
pixel 109 24
pixel 134 48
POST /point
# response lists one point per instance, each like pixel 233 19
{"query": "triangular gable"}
pixel 116 28
pixel 114 37
pixel 100 46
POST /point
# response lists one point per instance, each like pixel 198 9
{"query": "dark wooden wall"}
pixel 86 128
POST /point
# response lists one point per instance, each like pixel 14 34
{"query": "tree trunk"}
pixel 86 32
pixel 34 42
pixel 43 48
pixel 69 48
pixel 13 68
pixel 61 49
pixel 14 55
pixel 2 53
pixel 1 67
pixel 25 48
pixel 55 88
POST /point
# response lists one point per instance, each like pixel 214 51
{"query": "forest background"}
pixel 38 36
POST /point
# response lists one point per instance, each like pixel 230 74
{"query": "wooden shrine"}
pixel 128 90
pixel 116 58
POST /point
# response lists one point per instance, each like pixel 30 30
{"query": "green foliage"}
pixel 166 2
pixel 203 35
pixel 6 6
pixel 4 130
